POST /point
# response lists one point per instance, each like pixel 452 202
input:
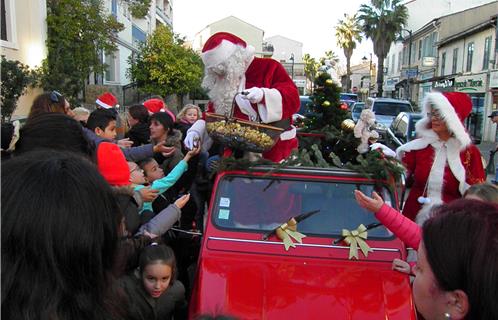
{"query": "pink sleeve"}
pixel 406 230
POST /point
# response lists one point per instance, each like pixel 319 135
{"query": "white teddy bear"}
pixel 363 130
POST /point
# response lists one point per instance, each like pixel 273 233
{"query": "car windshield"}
pixel 411 126
pixel 358 107
pixel 262 204
pixel 348 96
pixel 390 108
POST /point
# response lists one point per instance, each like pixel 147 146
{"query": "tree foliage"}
pixel 381 21
pixel 15 78
pixel 138 8
pixel 78 32
pixel 311 67
pixel 347 33
pixel 164 66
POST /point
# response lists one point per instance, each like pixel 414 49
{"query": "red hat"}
pixel 107 100
pixel 157 105
pixel 453 107
pixel 112 164
pixel 220 46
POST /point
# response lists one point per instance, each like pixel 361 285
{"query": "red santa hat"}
pixel 157 105
pixel 107 100
pixel 453 107
pixel 220 46
pixel 112 164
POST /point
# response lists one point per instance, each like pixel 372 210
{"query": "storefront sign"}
pixel 390 84
pixel 473 83
pixel 493 79
pixel 444 84
pixel 428 61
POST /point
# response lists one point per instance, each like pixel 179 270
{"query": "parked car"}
pixel 386 109
pixel 244 274
pixel 356 110
pixel 402 129
pixel 349 99
pixel 304 108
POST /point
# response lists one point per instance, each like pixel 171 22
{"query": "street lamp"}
pixel 408 73
pixel 369 72
pixel 292 66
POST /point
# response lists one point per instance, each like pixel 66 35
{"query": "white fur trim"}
pixel 103 104
pixel 271 110
pixel 451 119
pixel 219 54
pixel 455 164
pixel 289 134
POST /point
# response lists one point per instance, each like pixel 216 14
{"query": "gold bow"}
pixel 356 238
pixel 288 230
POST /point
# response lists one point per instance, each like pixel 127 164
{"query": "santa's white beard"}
pixel 222 88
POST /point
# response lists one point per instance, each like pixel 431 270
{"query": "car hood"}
pixel 299 288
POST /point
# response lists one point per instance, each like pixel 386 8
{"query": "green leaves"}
pixel 164 66
pixel 15 78
pixel 78 32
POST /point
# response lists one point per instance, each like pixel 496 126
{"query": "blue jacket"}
pixel 165 183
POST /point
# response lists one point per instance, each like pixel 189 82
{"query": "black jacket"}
pixel 139 134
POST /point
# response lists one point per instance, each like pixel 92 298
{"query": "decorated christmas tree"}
pixel 327 127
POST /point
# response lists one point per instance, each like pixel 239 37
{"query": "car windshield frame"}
pixel 387 108
pixel 238 197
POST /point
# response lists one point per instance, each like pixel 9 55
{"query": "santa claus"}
pixel 269 94
pixel 442 162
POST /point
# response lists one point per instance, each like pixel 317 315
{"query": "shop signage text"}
pixel 475 83
pixel 444 84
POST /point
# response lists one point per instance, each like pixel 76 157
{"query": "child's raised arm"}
pixel 192 153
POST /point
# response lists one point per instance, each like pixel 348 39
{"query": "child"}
pixel 138 122
pixel 407 230
pixel 153 291
pixel 154 175
pixel 81 114
pixel 187 116
pixel 103 123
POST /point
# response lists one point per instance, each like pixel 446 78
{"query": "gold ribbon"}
pixel 355 239
pixel 287 231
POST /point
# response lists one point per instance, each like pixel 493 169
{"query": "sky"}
pixel 310 22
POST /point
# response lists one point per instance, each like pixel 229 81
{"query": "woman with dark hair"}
pixel 53 131
pixel 138 121
pixel 60 231
pixel 50 102
pixel 162 130
pixel 456 276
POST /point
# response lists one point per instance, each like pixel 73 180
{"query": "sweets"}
pixel 239 136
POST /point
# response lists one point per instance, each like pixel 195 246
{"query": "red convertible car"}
pixel 245 270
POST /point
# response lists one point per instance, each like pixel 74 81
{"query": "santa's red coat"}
pixel 419 164
pixel 270 74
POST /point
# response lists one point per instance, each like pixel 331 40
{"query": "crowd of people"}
pixel 89 199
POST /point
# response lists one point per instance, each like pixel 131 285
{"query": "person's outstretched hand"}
pixel 401 266
pixel 195 151
pixel 182 201
pixel 125 143
pixel 166 151
pixel 371 204
pixel 148 194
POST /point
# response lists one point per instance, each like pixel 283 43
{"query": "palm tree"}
pixel 382 21
pixel 347 33
pixel 310 69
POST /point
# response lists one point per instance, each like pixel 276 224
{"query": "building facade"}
pixel 23 36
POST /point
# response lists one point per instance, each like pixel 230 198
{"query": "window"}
pixel 393 61
pixel 470 56
pixel 399 61
pixel 455 61
pixel 114 8
pixel 137 35
pixel 443 63
pixel 7 22
pixel 237 205
pixel 433 49
pixel 419 49
pixel 111 71
pixel 387 64
pixel 487 52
